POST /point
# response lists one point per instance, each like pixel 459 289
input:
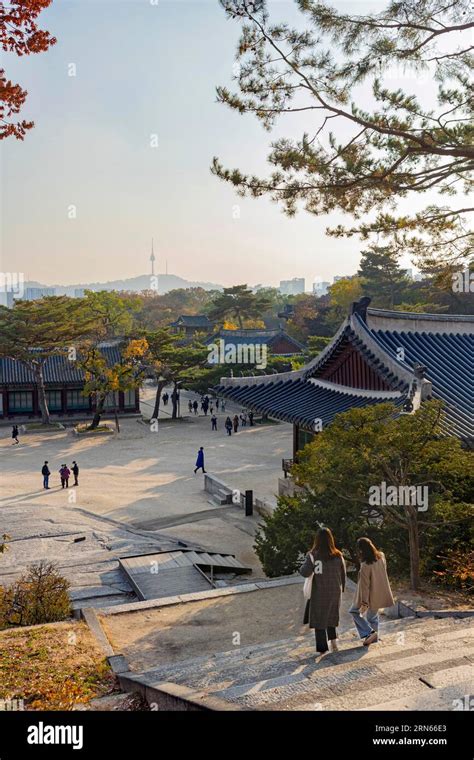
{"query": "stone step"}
pixel 217 500
pixel 449 698
pixel 287 670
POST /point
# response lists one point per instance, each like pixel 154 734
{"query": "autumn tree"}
pixel 21 35
pixel 104 376
pixel 111 318
pixel 364 160
pixel 33 331
pixel 159 310
pixel 240 303
pixel 342 294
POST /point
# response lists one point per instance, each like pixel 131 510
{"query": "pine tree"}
pixel 382 277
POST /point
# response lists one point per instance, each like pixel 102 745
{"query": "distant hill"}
pixel 166 282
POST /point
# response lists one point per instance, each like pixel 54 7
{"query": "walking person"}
pixel 195 406
pixel 324 564
pixel 228 426
pixel 223 405
pixel 200 461
pixel 64 473
pixel 236 423
pixel 45 473
pixel 15 435
pixel 217 404
pixel 213 422
pixel 373 591
pixel 75 472
pixel 251 419
pixel 190 406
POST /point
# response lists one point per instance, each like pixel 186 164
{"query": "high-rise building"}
pixel 32 294
pixel 292 287
pixel 321 288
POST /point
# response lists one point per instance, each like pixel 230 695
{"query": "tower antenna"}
pixel 152 259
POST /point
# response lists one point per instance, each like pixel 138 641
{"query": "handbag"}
pixel 308 582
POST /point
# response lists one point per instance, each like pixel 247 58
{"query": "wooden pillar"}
pixel 295 441
pixel 36 410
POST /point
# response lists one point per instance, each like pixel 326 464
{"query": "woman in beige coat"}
pixel 373 591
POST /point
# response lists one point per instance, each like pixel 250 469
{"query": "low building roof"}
pixel 255 337
pixel 58 369
pixel 192 320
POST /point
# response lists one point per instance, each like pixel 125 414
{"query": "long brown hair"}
pixel 324 546
pixel 367 550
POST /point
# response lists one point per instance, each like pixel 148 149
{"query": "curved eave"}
pixel 302 402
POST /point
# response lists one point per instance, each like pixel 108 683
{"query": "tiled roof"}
pixel 449 361
pixel 255 337
pixel 444 344
pixel 58 370
pixel 303 401
pixel 192 320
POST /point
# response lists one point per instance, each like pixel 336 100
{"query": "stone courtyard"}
pixel 137 493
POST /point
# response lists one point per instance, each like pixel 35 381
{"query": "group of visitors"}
pixel 213 406
pixel 238 420
pixel 64 474
pixel 207 405
pixel 325 573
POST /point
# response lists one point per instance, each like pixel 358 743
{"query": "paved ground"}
pixel 155 637
pixel 136 489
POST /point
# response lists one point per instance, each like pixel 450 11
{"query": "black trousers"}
pixel 322 636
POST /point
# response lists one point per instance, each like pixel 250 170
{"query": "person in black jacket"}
pixel 45 473
pixel 75 472
pixel 15 435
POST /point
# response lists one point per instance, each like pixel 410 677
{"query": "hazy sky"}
pixel 145 69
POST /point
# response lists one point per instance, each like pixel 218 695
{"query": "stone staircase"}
pixel 221 497
pixel 419 664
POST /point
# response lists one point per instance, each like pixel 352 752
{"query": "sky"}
pixel 146 72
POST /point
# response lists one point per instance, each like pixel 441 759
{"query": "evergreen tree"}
pixel 381 276
pixel 33 331
pixel 362 161
pixel 240 303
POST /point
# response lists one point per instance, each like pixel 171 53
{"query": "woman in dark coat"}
pixel 327 566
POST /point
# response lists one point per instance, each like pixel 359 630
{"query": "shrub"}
pixel 458 569
pixel 39 596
